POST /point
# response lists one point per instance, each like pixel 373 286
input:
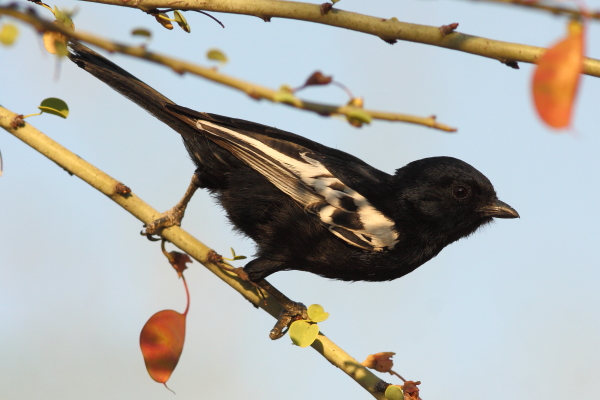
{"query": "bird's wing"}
pixel 295 170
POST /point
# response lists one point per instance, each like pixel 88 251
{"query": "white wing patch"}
pixel 348 214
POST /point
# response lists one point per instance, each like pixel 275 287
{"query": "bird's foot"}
pixel 291 312
pixel 167 219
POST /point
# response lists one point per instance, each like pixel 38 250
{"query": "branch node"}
pixel 388 40
pixel 265 18
pixel 448 29
pixel 17 122
pixel 510 63
pixel 325 8
pixel 380 386
pixel 214 257
pixel 122 189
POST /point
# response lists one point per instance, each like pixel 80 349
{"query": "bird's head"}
pixel 449 197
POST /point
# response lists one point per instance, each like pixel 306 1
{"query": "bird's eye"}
pixel 460 192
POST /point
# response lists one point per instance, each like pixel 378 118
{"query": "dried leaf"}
pixel 381 362
pixel 411 391
pixel 317 78
pixel 161 342
pixel 557 76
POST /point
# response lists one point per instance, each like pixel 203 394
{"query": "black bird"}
pixel 312 208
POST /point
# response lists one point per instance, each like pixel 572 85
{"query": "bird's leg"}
pixel 175 214
pixel 290 311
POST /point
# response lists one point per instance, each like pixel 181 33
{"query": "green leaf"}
pixel 284 97
pixel 180 19
pixel 239 258
pixel 303 333
pixel 141 32
pixel 63 17
pixel 359 115
pixel 334 1
pixel 316 313
pixel 8 34
pixel 61 49
pixel 394 392
pixel 216 55
pixel 54 106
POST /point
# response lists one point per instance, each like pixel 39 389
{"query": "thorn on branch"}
pixel 326 7
pixel 510 63
pixel 388 40
pixel 265 18
pixel 448 29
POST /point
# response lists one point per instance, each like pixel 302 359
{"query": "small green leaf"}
pixel 216 55
pixel 232 252
pixel 303 333
pixel 359 115
pixel 141 32
pixel 316 313
pixel 286 89
pixel 334 1
pixel 54 106
pixel 239 258
pixel 284 97
pixel 394 392
pixel 61 48
pixel 8 34
pixel 63 17
pixel 180 19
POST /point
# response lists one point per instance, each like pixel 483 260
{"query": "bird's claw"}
pixel 290 312
pixel 167 219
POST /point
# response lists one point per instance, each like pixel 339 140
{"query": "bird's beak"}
pixel 498 209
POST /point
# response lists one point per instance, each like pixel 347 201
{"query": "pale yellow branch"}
pixel 253 90
pixel 180 238
pixel 536 5
pixel 388 28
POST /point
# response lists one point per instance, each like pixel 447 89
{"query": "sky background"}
pixel 511 312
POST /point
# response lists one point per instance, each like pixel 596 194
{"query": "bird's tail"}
pixel 128 85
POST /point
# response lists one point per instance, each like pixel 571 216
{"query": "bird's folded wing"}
pixel 295 170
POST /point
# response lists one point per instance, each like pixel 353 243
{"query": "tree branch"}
pixel 255 91
pixel 573 13
pixel 180 238
pixel 388 29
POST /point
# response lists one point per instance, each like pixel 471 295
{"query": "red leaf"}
pixel 161 342
pixel 556 78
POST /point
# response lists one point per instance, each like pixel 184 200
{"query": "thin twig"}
pixel 389 29
pixel 255 91
pixel 180 238
pixel 537 5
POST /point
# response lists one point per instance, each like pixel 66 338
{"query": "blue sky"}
pixel 512 311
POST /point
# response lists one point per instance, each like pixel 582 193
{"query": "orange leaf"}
pixel 381 362
pixel 161 342
pixel 556 78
